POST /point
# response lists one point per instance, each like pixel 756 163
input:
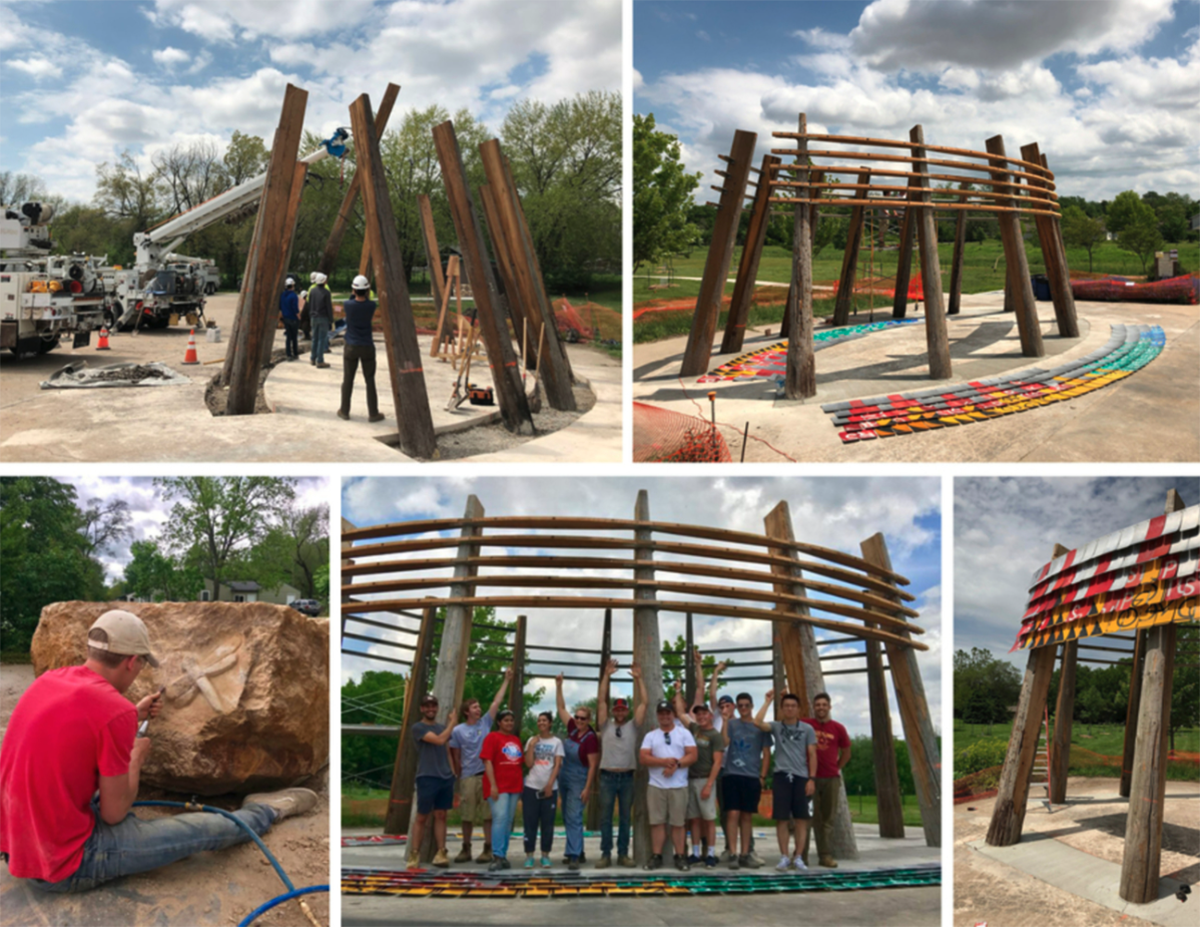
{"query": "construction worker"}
pixel 319 305
pixel 289 311
pixel 618 763
pixel 465 742
pixel 73 731
pixel 360 348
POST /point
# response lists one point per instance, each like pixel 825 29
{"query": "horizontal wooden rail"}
pixel 936 206
pixel 1027 194
pixel 793 168
pixel 894 143
pixel 703 532
pixel 875 156
pixel 597 603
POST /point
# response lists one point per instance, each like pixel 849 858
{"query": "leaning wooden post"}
pixel 888 800
pixel 516 692
pixel 258 303
pixel 936 338
pixel 956 264
pixel 801 661
pixel 1142 861
pixel 1020 285
pixel 689 665
pixel 1064 711
pixel 271 323
pixel 647 653
pixel 908 237
pixel 778 674
pixel 845 292
pixel 501 248
pixel 414 419
pixel 1050 240
pixel 334 244
pixel 456 630
pixel 592 821
pixel 720 252
pixel 1056 223
pixel 800 378
pixel 404 771
pixel 502 358
pixel 433 253
pixel 919 736
pixel 756 237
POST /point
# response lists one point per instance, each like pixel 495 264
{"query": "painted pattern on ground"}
pixel 1129 349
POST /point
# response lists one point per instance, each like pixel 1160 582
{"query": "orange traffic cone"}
pixel 190 357
pixel 103 345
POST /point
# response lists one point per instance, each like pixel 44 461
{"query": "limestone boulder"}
pixel 246 706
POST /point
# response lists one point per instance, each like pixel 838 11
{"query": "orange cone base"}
pixel 190 357
pixel 102 345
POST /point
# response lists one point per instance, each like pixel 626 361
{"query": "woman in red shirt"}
pixel 503 761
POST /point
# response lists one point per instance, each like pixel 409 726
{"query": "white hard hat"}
pixel 360 283
pixel 289 282
pixel 312 278
pixel 318 278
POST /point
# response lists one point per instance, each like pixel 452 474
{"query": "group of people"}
pixel 359 312
pixel 703 766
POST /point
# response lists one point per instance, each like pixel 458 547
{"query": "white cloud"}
pixel 819 38
pixel 36 67
pixel 226 20
pixel 169 56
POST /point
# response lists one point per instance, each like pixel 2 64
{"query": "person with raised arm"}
pixel 618 759
pixel 582 749
pixel 435 782
pixel 795 760
pixel 465 743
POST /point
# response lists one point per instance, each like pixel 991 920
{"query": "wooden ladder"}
pixel 1042 757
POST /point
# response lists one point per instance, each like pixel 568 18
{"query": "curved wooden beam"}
pixel 1023 197
pixel 908 159
pixel 884 172
pixel 894 143
pixel 937 206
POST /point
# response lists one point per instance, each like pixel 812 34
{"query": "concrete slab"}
pixel 167 424
pixel 1122 422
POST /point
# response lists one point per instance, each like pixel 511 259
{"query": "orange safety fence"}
pixel 663 436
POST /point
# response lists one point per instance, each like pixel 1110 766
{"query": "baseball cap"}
pixel 664 706
pixel 429 699
pixel 127 635
pixel 725 699
pixel 620 703
pixel 700 706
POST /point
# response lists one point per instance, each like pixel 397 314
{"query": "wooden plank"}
pixel 936 338
pixel 453 281
pixel 404 770
pixel 720 252
pixel 1073 324
pixel 800 377
pixel 413 416
pixel 504 262
pixel 845 292
pixel 1016 186
pixel 919 736
pixel 1142 860
pixel 888 799
pixel 334 243
pixel 743 288
pixel 647 654
pixel 1019 283
pixel 1050 238
pixel 502 357
pixel 890 143
pixel 956 264
pixel 915 160
pixel 271 324
pixel 802 665
pixel 1024 195
pixel 433 251
pixel 908 238
pixel 1060 747
pixel 258 304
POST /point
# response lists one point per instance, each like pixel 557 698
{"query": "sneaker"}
pixel 321 365
pixel 734 862
pixel 441 860
pixel 785 863
pixel 528 862
pixel 464 856
pixel 344 416
pixel 376 417
pixel 655 862
pixel 828 862
pixel 710 861
pixel 726 856
pixel 486 856
pixel 497 864
pixel 285 803
pixel 749 862
pixel 573 863
pixel 625 861
pixel 604 862
pixel 800 864
pixel 694 859
pixel 681 863
pixel 546 864
pixel 755 861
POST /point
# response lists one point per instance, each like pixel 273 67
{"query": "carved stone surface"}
pixel 246 706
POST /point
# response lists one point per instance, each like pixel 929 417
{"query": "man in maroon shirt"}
pixel 70 767
pixel 833 752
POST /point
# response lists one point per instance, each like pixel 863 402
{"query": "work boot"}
pixel 604 862
pixel 464 855
pixel 573 863
pixel 322 365
pixel 413 863
pixel 376 417
pixel 655 862
pixel 285 802
pixel 681 863
pixel 748 861
pixel 625 861
pixel 755 861
pixel 344 416
pixel 441 860
pixel 726 856
pixel 828 862
pixel 734 862
pixel 486 856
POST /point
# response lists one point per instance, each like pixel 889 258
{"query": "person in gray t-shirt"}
pixel 795 755
pixel 435 781
pixel 618 762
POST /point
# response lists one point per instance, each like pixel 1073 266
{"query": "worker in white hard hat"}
pixel 289 311
pixel 360 348
pixel 70 768
pixel 320 313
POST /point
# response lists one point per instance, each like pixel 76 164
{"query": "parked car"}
pixel 310 607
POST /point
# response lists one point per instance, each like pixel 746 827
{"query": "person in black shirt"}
pixel 360 348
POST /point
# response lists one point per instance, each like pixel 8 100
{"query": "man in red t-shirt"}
pixel 503 779
pixel 70 765
pixel 833 752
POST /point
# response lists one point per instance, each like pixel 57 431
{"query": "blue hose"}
pixel 294 893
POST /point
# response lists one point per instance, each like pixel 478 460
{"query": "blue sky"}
pixel 831 512
pixel 1006 527
pixel 1109 90
pixel 82 81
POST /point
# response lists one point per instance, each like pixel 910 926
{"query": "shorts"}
pixel 434 794
pixel 474 807
pixel 698 807
pixel 666 806
pixel 790 801
pixel 742 793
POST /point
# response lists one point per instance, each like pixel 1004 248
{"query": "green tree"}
pixel 376 698
pixel 219 519
pixel 1126 209
pixel 1081 231
pixel 662 192
pixel 16 189
pixel 1185 684
pixel 984 686
pixel 155 577
pixel 294 550
pixel 245 158
pixel 1141 238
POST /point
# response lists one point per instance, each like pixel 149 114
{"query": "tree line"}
pixel 565 159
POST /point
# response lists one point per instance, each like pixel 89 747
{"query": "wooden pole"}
pixel 647 653
pixel 802 663
pixel 919 736
pixel 756 237
pixel 1019 283
pixel 502 358
pixel 593 805
pixel 258 304
pixel 404 771
pixel 504 259
pixel 888 799
pixel 778 674
pixel 413 416
pixel 936 338
pixel 845 293
pixel 452 281
pixel 1064 711
pixel 1131 711
pixel 516 693
pixel 908 237
pixel 271 323
pixel 956 265
pixel 689 665
pixel 433 252
pixel 800 379
pixel 720 253
pixel 1050 238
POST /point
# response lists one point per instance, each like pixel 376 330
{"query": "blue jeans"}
pixel 570 787
pixel 136 845
pixel 320 340
pixel 291 337
pixel 504 809
pixel 614 786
